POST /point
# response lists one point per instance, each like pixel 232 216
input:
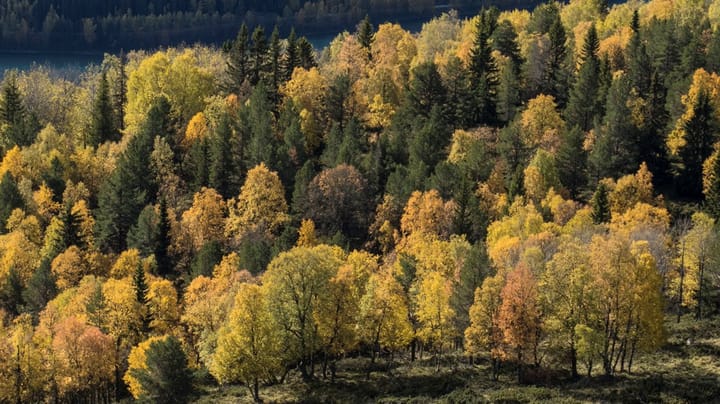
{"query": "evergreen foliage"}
pixel 166 377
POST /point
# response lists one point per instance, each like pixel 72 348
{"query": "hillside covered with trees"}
pixel 525 195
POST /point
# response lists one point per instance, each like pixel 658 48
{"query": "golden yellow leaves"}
pixel 260 206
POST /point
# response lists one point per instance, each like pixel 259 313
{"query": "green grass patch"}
pixel 685 370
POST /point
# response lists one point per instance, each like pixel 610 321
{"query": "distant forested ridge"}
pixel 132 24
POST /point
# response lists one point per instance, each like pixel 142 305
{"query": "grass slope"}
pixel 686 370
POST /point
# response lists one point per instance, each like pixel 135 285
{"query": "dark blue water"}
pixel 76 62
pixel 57 61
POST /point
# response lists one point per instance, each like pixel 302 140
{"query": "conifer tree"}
pixel 291 58
pixel 258 55
pixel 238 65
pixel 261 146
pixel 40 289
pixel 10 199
pixel 275 76
pixel 53 178
pixel 712 63
pixel 165 377
pixel 162 255
pixel 365 31
pixel 459 93
pixel 601 205
pixel 11 297
pixel 306 53
pixel 571 160
pixel 583 104
pixel 338 94
pixel 130 188
pixel 143 234
pixel 701 132
pixel 638 61
pixel 483 70
pixel 712 193
pixel 196 164
pixel 119 96
pixel 556 75
pixel 140 285
pixel 616 148
pixel 141 289
pixel 102 127
pixel 426 90
pixel 221 165
pixel 14 115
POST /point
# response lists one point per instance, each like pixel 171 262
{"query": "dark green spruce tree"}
pixel 571 161
pixel 306 53
pixel 119 95
pixel 11 297
pixel 54 178
pixel 141 289
pixel 129 189
pixel 484 71
pixel 258 55
pixel 143 234
pixel 274 65
pixel 262 144
pixel 196 164
pixel 221 160
pixel 583 108
pixel 600 205
pixel 365 31
pixel 162 247
pixel 426 90
pixel 701 132
pixel 40 289
pixel 712 194
pixel 102 125
pixel 336 100
pixel 10 199
pixel 238 64
pixel 291 59
pixel 638 60
pixel 504 40
pixel 616 148
pixel 459 93
pixel 556 71
pixel 14 116
pixel 166 378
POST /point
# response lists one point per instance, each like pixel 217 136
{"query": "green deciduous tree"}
pixel 249 347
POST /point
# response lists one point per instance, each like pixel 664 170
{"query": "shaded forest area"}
pixel 69 25
pixel 508 199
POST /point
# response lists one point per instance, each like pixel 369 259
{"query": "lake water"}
pixel 73 63
pixel 59 61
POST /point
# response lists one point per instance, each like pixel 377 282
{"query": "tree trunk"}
pixel 256 391
pixel 682 281
pixel 325 365
pixel 519 367
pixel 698 314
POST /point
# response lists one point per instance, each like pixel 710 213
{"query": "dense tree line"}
pixel 130 24
pixel 512 188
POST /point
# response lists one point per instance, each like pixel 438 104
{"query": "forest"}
pixel 521 198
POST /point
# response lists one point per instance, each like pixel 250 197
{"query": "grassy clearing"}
pixel 686 370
